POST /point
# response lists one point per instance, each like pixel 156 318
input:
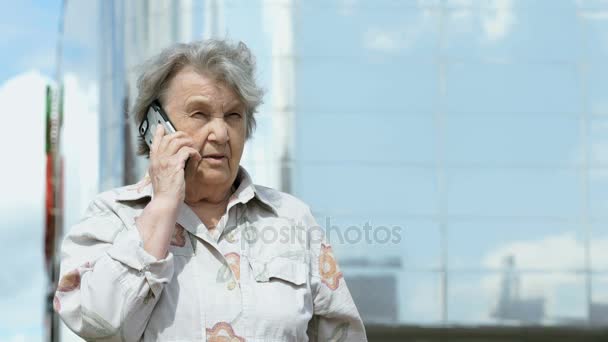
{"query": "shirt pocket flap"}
pixel 292 271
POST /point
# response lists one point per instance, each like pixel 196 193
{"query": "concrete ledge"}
pixel 485 334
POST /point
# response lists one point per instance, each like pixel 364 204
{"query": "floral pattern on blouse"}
pixel 328 268
pixel 234 261
pixel 179 236
pixel 227 270
pixel 223 332
pixel 69 282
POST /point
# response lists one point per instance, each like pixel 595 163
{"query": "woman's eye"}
pixel 234 115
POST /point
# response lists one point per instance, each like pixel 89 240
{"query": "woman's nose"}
pixel 218 131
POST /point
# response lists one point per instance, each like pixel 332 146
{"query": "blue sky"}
pixel 24 22
pixel 516 97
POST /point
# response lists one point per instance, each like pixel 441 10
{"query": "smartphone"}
pixel 156 115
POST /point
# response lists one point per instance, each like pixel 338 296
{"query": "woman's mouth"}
pixel 215 159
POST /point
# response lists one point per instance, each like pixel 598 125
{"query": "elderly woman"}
pixel 196 251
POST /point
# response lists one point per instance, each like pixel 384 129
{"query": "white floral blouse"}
pixel 265 273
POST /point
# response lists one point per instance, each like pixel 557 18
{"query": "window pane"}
pixel 538 246
pixel 599 303
pixel 381 240
pixel 550 193
pixel 509 31
pixel 513 88
pixel 517 298
pixel 419 298
pixel 379 189
pixel 361 85
pixel 366 137
pixel 513 140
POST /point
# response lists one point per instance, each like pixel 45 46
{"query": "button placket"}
pixel 245 287
pixel 198 261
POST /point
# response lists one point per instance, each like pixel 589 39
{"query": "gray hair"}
pixel 228 62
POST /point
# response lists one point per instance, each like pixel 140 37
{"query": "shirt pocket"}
pixel 287 270
pixel 279 301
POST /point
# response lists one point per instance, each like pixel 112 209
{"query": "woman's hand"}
pixel 168 157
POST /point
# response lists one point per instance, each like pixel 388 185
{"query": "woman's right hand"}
pixel 168 157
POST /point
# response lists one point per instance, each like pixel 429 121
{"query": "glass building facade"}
pixel 454 150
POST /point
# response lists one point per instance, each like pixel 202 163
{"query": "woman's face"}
pixel 214 117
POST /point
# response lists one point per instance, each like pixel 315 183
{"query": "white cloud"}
pixel 497 20
pixel 23 141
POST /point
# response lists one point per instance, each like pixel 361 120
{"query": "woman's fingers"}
pixel 158 135
pixel 170 144
pixel 175 143
pixel 167 139
pixel 192 163
pixel 189 154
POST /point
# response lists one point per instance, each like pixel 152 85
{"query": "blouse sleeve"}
pixel 108 283
pixel 335 316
